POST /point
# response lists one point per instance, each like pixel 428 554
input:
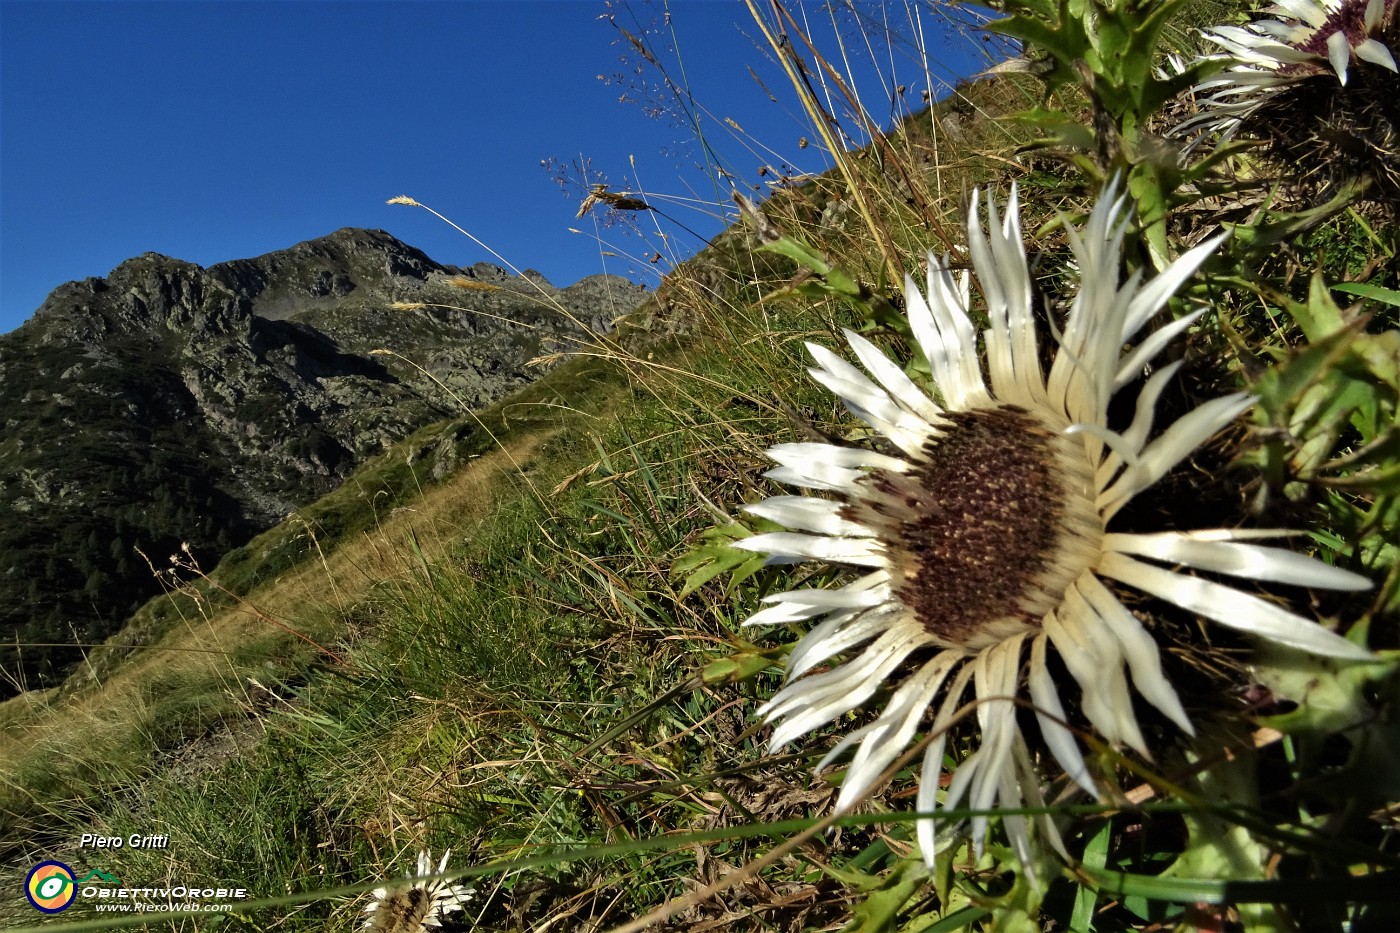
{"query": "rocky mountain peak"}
pixel 148 293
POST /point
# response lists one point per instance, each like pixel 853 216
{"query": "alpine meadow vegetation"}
pixel 995 530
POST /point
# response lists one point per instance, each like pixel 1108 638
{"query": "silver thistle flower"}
pixel 1311 38
pixel 419 905
pixel 987 537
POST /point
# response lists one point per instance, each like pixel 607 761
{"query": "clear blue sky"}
pixel 211 131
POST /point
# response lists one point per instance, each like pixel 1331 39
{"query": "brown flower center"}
pixel 974 531
pixel 404 911
pixel 1349 19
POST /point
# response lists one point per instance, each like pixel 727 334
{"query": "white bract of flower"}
pixel 1310 38
pixel 419 905
pixel 985 538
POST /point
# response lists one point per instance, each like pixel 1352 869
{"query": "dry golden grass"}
pixel 461 281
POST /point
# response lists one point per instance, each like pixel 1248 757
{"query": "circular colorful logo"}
pixel 50 887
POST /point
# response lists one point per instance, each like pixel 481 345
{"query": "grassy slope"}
pixel 490 585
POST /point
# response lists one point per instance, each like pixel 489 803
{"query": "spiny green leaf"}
pixel 741 666
pixel 1275 227
pixel 1331 694
pixel 715 555
pixel 1319 317
pixel 877 913
pixel 798 252
pixel 1060 129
